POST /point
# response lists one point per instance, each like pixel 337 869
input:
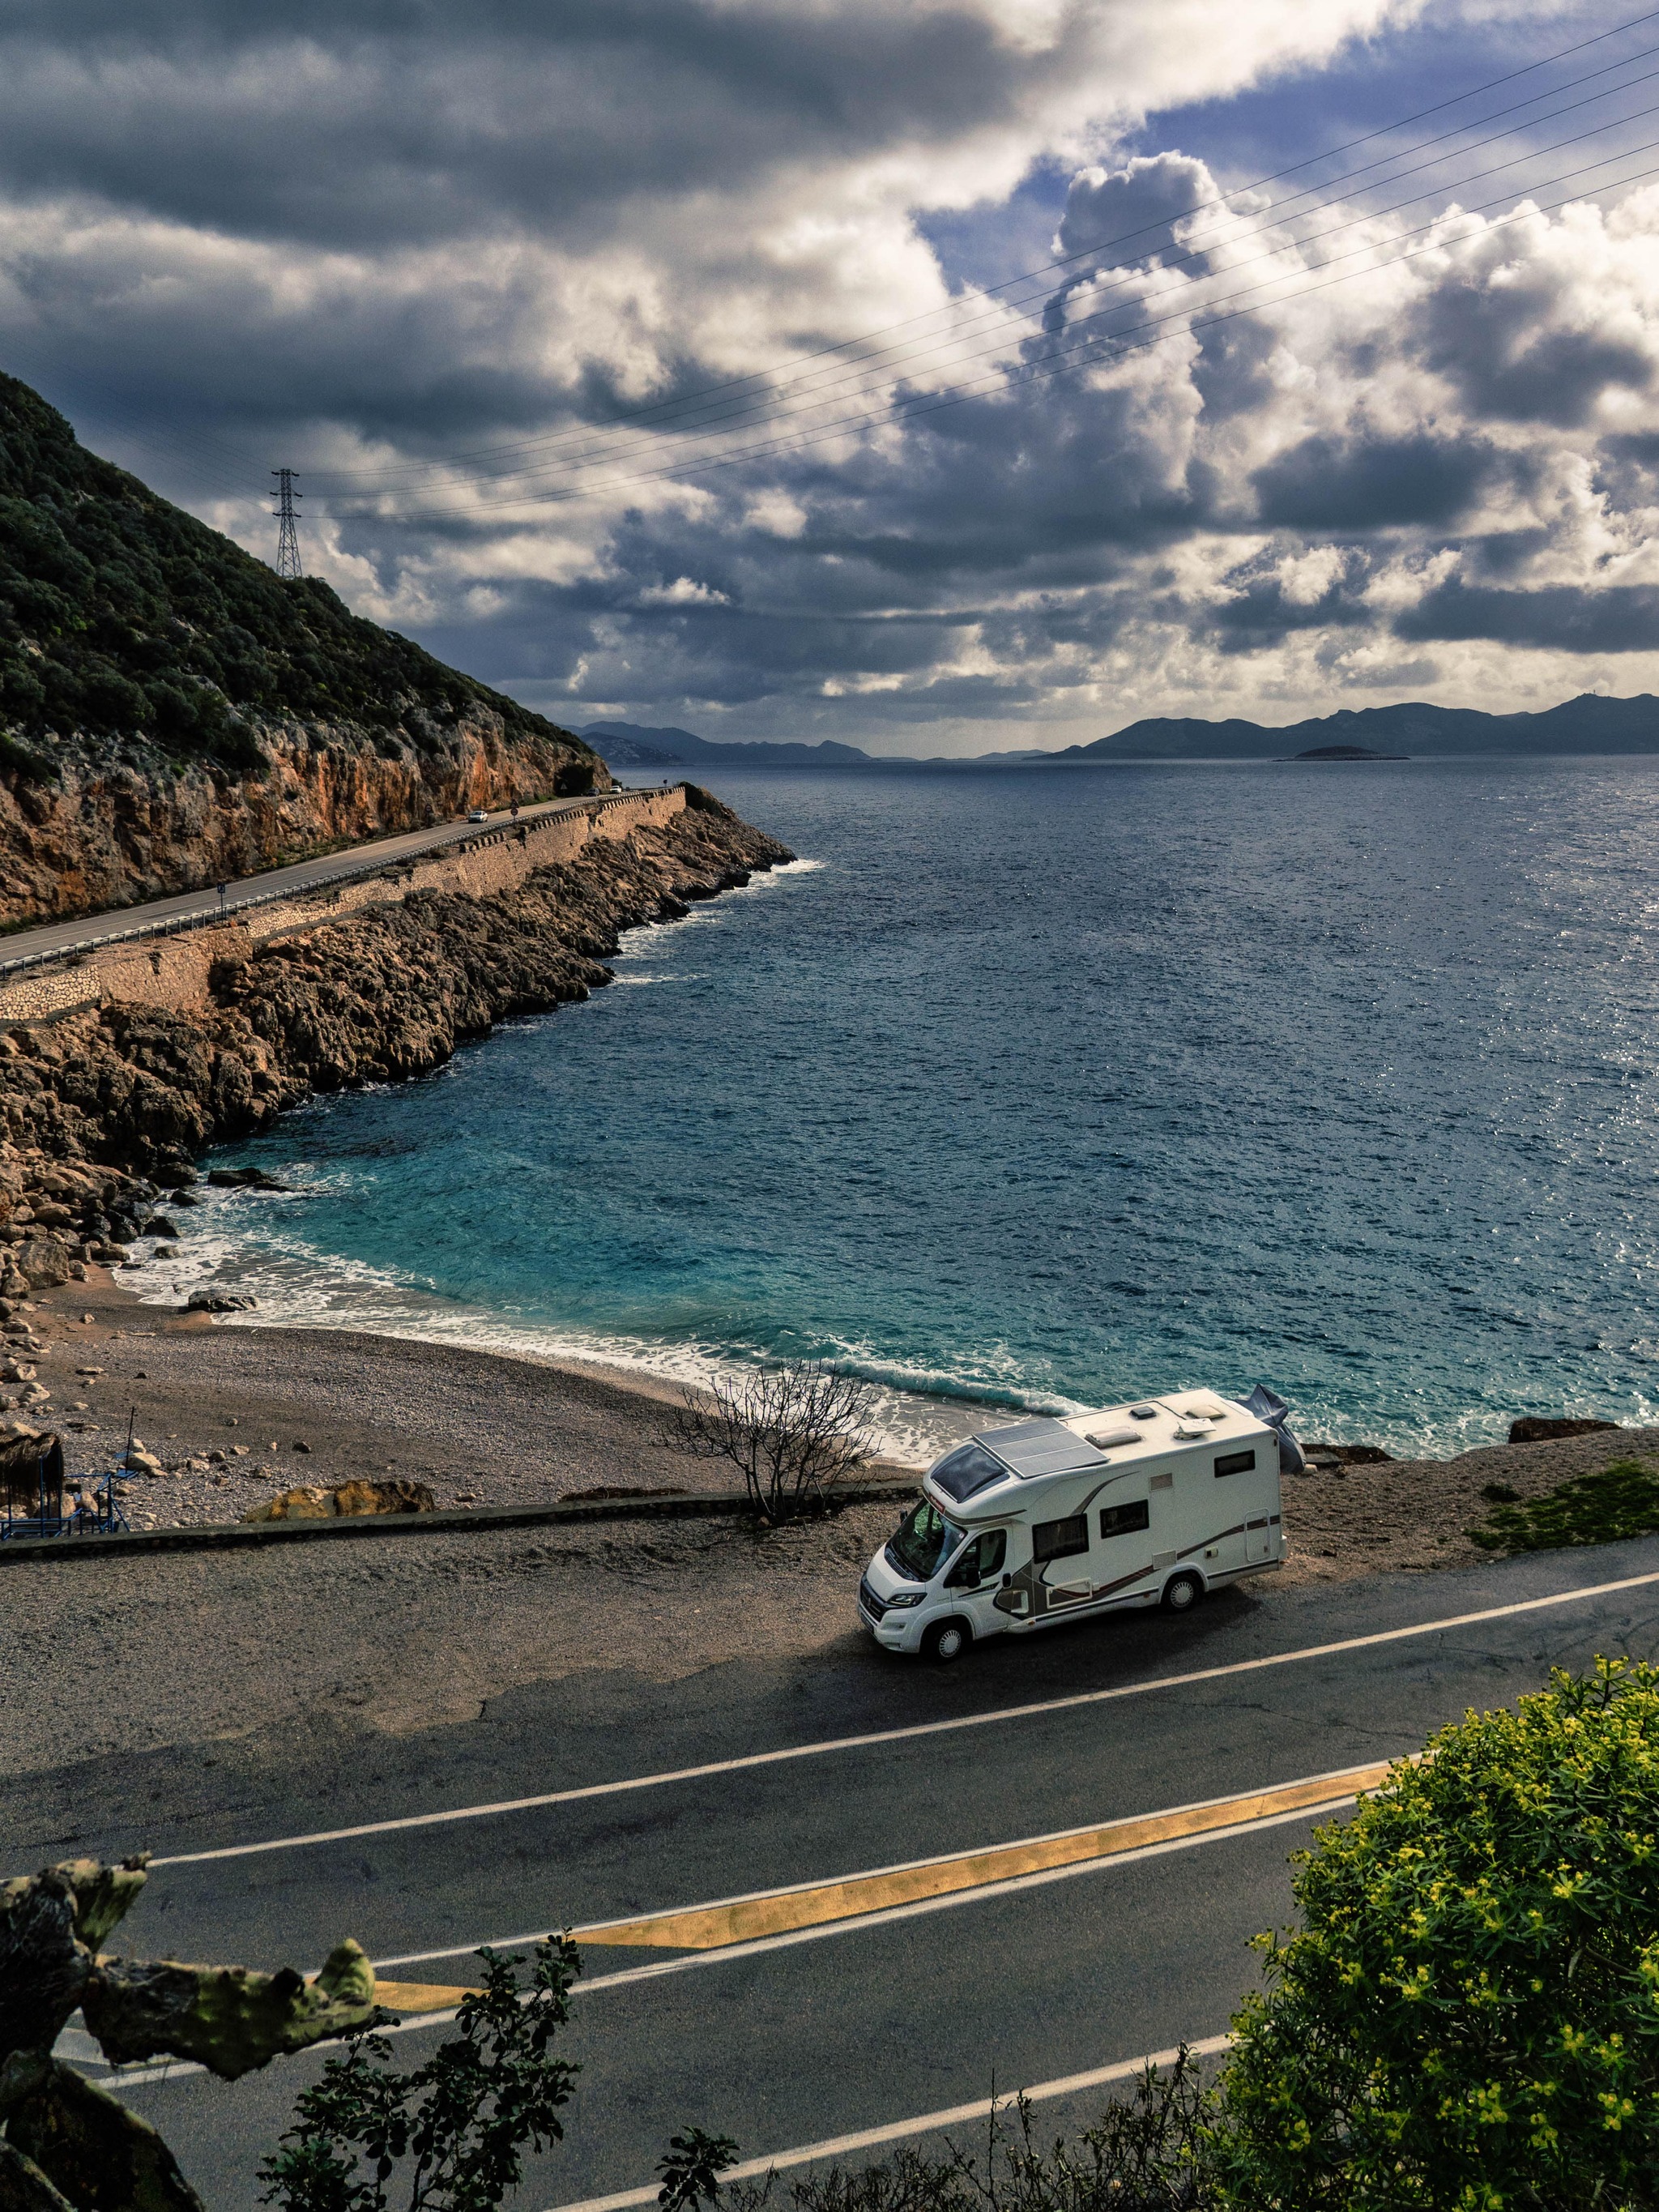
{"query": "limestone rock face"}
pixel 115 830
pixel 100 1107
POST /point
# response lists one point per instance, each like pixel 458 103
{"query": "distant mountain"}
pixel 1584 725
pixel 631 744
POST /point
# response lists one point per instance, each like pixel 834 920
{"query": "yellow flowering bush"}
pixel 1468 2015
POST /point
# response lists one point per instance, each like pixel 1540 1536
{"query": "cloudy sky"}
pixel 937 375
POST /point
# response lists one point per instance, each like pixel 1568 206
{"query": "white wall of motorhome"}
pixel 1157 1516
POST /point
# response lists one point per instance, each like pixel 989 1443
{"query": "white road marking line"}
pixel 905 1735
pixel 956 2116
pixel 593 1928
pixel 694 1962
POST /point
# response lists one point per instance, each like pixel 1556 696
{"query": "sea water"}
pixel 1041 1087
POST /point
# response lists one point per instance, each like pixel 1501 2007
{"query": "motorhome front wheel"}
pixel 1181 1593
pixel 948 1641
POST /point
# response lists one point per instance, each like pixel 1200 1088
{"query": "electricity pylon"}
pixel 288 532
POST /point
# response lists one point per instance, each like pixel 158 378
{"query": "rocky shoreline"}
pixel 104 1112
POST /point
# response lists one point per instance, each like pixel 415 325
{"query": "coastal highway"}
pixel 848 2015
pixel 59 937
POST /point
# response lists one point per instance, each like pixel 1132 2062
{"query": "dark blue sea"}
pixel 1037 1086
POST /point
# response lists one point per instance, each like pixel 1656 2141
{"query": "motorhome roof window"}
pixel 969 1469
pixel 922 1542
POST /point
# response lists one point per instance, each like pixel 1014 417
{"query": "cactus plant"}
pixel 66 2145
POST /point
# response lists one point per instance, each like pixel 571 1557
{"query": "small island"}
pixel 1343 753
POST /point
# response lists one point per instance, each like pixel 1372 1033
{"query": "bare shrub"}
pixel 792 1431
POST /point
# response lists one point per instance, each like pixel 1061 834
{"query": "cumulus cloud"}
pixel 555 315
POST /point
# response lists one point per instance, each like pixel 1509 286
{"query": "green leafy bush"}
pixel 1470 2016
pixel 122 616
pixel 453 2132
pixel 1620 1500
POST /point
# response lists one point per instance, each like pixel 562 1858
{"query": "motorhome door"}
pixel 975 1578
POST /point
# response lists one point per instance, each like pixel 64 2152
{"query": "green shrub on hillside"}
pixel 122 616
pixel 1618 1501
pixel 1469 2015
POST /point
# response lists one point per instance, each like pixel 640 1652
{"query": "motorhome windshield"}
pixel 966 1471
pixel 922 1542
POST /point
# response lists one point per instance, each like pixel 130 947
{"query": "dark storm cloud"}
pixel 1230 374
pixel 1503 345
pixel 366 236
pixel 1376 483
pixel 1616 618
pixel 358 124
pixel 1263 609
pixel 1118 216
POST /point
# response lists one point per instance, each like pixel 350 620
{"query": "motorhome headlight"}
pixel 908 1597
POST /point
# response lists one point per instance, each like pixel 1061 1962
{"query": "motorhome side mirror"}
pixel 962 1578
pixel 1007 1582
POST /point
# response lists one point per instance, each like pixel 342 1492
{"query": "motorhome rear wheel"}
pixel 1181 1593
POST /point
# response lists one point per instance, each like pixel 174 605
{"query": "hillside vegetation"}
pixel 172 710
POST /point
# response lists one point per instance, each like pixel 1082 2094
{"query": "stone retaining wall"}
pixel 173 972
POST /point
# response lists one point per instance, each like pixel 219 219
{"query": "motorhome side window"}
pixel 1124 1520
pixel 1235 1462
pixel 1060 1539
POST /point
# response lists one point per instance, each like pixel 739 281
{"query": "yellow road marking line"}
pixel 418 1996
pixel 707 1927
pixel 753 1919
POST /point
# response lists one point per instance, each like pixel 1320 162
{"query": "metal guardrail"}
pixel 211 915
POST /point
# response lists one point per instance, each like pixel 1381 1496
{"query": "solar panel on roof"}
pixel 1041 1447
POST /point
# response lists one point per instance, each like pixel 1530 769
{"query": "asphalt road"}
pixel 851 2024
pixel 357 860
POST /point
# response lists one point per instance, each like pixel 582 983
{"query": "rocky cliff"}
pixel 102 1110
pixel 172 712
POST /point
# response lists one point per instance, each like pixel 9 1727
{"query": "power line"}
pixel 1046 273
pixel 1053 363
pixel 287 527
pixel 1194 253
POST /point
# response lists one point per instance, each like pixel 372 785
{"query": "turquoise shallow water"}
pixel 1044 1085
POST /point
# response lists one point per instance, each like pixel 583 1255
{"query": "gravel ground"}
pixel 1416 1513
pixel 276 1407
pixel 483 1429
pixel 403 1634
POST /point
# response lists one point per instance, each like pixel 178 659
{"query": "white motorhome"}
pixel 1152 1503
